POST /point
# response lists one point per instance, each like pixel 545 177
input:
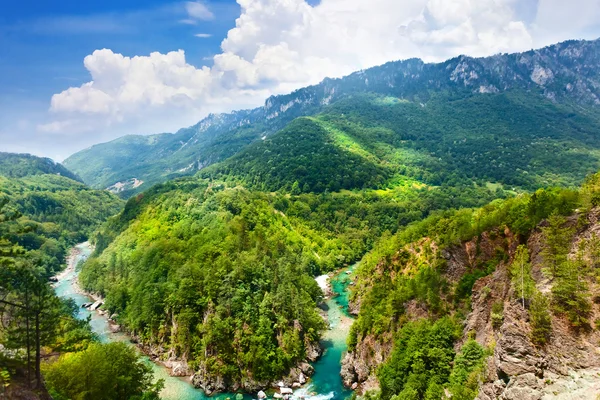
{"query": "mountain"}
pixel 555 82
pixel 371 141
pixel 54 211
pixel 21 165
pixel 471 281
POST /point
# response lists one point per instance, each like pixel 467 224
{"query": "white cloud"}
pixel 203 35
pixel 197 10
pixel 279 45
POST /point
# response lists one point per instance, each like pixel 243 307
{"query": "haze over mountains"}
pixel 543 100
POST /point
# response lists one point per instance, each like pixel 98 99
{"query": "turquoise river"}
pixel 325 384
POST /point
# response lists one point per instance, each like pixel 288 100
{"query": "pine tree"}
pixel 557 242
pixel 540 319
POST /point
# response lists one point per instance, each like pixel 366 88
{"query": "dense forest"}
pixel 22 165
pixel 369 141
pixel 55 213
pixel 224 276
pixel 41 216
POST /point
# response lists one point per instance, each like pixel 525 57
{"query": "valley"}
pixel 413 231
pixel 323 385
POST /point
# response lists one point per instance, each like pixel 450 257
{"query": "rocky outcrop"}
pixel 567 367
pixel 212 384
pixel 358 366
pixel 313 351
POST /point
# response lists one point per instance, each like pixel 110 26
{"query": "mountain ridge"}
pixel 561 73
pixel 20 165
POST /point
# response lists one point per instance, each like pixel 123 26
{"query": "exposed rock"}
pixel 285 390
pixel 301 378
pixel 354 385
pixel 95 306
pixel 296 385
pixel 179 368
pixel 209 384
pixel 313 351
pixel 261 395
pixel 278 396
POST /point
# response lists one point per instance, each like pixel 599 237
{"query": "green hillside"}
pixel 57 212
pixel 373 141
pixel 470 116
pixel 21 165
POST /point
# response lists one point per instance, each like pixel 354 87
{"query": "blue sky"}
pixel 76 73
pixel 43 43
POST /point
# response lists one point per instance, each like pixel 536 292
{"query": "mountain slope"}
pixel 564 74
pixel 21 165
pixel 55 212
pixel 518 278
pixel 374 141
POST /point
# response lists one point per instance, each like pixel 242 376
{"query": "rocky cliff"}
pixel 566 367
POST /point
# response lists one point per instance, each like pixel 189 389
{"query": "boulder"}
pixel 313 351
pixel 179 368
pixel 96 305
pixel 301 378
pixel 306 368
pixel 354 385
pixel 261 395
pixel 285 391
pixel 296 385
pixel 277 396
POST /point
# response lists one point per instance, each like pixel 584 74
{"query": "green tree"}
pixel 101 372
pixel 540 319
pixel 570 294
pixel 467 370
pixel 520 271
pixel 557 242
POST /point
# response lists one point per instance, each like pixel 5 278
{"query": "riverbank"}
pixel 67 287
pixel 325 384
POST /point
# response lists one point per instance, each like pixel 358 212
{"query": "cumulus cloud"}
pixel 198 11
pixel 279 45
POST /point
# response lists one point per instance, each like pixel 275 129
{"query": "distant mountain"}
pixel 559 84
pixel 21 165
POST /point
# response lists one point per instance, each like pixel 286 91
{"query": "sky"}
pixel 75 73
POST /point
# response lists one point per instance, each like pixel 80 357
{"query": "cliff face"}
pixel 567 366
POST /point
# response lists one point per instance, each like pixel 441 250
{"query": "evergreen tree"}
pixel 557 241
pixel 540 319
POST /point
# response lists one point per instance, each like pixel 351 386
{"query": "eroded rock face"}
pixel 313 351
pixel 359 365
pixel 567 367
pixel 209 384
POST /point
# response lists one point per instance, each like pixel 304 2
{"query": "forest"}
pixel 42 215
pixel 454 187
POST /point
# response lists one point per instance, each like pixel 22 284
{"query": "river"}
pixel 325 384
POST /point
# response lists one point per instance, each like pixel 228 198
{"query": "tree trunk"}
pixel 38 355
pixel 28 340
